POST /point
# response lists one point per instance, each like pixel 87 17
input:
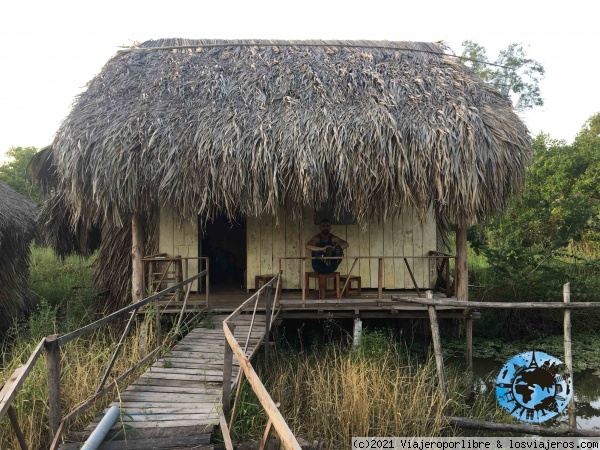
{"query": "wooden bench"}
pixel 349 290
pixel 322 283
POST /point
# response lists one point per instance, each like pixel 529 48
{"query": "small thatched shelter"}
pixel 177 134
pixel 17 230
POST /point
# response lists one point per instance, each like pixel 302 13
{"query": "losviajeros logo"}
pixel 534 387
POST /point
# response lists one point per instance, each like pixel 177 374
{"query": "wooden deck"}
pixel 367 305
pixel 177 401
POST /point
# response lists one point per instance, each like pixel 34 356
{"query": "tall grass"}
pixel 332 393
pixel 67 301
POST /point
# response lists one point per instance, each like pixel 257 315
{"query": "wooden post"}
pixel 462 286
pixel 54 395
pixel 437 346
pixel 268 312
pixel 380 279
pixel 569 354
pixel 14 421
pixel 227 371
pixel 462 272
pixel 137 253
pixel 356 333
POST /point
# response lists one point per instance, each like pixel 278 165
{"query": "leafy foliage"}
pixel 550 234
pixel 16 175
pixel 512 73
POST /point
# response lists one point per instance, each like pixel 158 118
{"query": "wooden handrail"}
pixel 18 377
pixel 133 307
pixel 462 304
pixel 283 430
pixel 379 270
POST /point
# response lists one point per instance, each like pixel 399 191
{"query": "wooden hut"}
pixel 17 229
pixel 236 148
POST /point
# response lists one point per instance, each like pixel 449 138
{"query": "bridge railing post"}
pixel 227 372
pixel 54 395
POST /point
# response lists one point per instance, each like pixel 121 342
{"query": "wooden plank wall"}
pixel 268 240
pixel 177 238
pixel 403 236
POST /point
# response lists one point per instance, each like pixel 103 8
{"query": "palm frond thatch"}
pixel 17 230
pixel 243 127
pixel 239 128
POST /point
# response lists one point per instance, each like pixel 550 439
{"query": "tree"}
pixel 550 234
pixel 15 173
pixel 512 73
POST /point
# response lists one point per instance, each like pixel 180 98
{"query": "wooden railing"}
pixel 52 346
pixel 180 266
pixel 442 269
pixel 232 347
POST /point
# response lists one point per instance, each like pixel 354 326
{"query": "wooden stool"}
pixel 259 280
pixel 349 289
pixel 322 283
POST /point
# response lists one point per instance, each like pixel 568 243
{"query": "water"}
pixel 586 383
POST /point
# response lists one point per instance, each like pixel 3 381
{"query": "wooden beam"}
pixel 16 380
pixel 526 429
pixel 462 271
pixel 495 305
pixel 227 371
pixel 283 430
pixel 225 432
pixel 437 348
pixel 137 253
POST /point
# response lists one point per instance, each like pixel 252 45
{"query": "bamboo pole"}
pixel 437 347
pixel 227 372
pixel 54 395
pixel 569 354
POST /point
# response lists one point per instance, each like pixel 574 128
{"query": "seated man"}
pixel 326 244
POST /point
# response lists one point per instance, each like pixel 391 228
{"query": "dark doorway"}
pixel 224 242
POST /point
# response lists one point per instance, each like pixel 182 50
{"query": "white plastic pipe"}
pixel 98 435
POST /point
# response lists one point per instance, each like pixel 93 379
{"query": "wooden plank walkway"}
pixel 180 394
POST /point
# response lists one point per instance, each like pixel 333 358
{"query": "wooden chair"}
pixel 349 290
pixel 322 283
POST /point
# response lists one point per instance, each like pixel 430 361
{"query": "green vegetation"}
pixel 68 301
pixel 15 172
pixel 332 392
pixel 549 235
pixel 512 73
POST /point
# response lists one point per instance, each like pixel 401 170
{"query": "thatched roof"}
pixel 242 127
pixel 17 229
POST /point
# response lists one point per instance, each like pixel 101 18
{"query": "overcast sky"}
pixel 51 49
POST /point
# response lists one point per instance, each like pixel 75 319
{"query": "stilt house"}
pixel 236 149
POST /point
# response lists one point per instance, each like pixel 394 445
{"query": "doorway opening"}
pixel 224 242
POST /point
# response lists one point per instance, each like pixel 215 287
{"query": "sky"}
pixel 51 49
